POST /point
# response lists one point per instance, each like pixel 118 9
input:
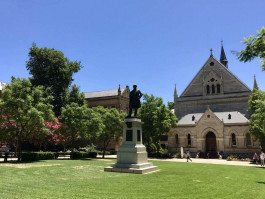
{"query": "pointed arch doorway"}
pixel 210 142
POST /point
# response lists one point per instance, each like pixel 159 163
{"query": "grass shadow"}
pixel 85 159
pixel 261 182
pixel 21 162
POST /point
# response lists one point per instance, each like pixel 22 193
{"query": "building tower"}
pixel 255 83
pixel 223 59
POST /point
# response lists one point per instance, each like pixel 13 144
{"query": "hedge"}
pixel 160 155
pixel 82 154
pixel 33 156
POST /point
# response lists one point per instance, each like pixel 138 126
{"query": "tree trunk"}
pixel 104 149
pixel 19 148
pixel 157 148
pixel 105 145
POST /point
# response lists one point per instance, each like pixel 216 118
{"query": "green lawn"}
pixel 56 179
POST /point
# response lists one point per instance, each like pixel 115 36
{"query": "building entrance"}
pixel 211 143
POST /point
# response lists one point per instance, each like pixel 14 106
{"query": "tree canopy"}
pixel 79 122
pixel 23 112
pixel 157 118
pixel 112 125
pixel 255 47
pixel 257 119
pixel 51 69
pixel 75 96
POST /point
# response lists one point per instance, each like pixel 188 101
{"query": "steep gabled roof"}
pixel 106 93
pixel 236 117
pixel 195 87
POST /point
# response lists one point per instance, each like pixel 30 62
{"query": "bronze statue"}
pixel 135 103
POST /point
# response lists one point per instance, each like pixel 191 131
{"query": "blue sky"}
pixel 154 44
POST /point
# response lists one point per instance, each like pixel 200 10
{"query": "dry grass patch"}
pixel 25 166
pixel 106 160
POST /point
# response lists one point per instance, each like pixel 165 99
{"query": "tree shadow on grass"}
pixel 85 159
pixel 261 183
pixel 21 162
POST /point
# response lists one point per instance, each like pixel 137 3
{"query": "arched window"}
pixel 213 85
pixel 213 89
pixel 189 140
pixel 177 139
pixel 233 139
pixel 248 139
pixel 208 89
pixel 218 88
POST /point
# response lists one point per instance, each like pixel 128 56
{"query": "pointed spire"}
pixel 255 83
pixel 175 91
pixel 175 94
pixel 223 59
pixel 119 90
pixel 211 52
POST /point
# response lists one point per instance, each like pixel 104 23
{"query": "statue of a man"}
pixel 135 103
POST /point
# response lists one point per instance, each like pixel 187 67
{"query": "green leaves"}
pixel 23 110
pixel 255 47
pixel 49 68
pixel 257 119
pixel 157 118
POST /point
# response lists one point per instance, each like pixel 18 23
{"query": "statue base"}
pixel 132 155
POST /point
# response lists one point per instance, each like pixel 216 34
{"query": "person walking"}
pixel 262 156
pixel 188 156
pixel 6 153
pixel 256 158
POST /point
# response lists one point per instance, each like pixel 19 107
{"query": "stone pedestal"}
pixel 132 155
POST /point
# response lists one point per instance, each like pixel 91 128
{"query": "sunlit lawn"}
pixel 86 179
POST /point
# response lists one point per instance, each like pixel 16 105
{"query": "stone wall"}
pixel 223 133
pixel 195 105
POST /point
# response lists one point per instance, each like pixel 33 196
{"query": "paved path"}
pixel 194 160
pixel 199 160
pixel 210 161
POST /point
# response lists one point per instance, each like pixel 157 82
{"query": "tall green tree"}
pixel 51 69
pixel 170 105
pixel 255 47
pixel 23 110
pixel 79 122
pixel 112 121
pixel 157 118
pixel 257 118
pixel 75 96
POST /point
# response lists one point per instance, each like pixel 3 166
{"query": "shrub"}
pixel 91 148
pixel 34 156
pixel 232 157
pixel 82 154
pixel 165 154
pixel 106 153
pixel 178 155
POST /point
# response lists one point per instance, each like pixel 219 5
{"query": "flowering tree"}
pixel 23 109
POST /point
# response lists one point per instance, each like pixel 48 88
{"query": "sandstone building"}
pixel 212 112
pixel 118 98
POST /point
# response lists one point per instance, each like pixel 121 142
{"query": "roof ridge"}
pixel 104 90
